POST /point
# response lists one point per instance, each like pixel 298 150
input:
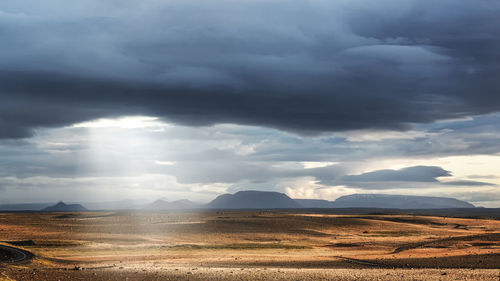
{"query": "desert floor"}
pixel 246 246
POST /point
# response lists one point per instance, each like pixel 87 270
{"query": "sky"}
pixel 113 100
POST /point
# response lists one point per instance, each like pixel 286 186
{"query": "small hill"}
pixel 398 202
pixel 174 205
pixel 254 200
pixel 62 207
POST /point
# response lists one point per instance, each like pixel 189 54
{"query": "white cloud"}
pixel 129 122
pixel 370 135
pixel 317 164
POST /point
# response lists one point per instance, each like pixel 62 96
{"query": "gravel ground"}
pixel 183 273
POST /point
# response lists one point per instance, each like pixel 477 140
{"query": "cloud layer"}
pixel 302 66
pixel 144 158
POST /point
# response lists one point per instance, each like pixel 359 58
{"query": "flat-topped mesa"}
pixel 398 202
pixel 252 199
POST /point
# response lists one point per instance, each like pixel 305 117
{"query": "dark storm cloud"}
pixel 294 65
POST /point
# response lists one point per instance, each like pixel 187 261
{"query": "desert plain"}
pixel 246 245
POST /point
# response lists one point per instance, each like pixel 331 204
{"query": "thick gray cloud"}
pixel 303 66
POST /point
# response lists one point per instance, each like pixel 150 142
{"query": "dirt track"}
pixel 14 255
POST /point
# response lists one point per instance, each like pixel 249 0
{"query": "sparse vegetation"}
pixel 249 245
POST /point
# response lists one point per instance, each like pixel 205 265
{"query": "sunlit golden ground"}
pixel 250 246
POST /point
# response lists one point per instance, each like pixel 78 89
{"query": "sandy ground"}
pixel 249 246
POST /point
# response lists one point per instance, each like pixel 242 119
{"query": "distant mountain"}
pixel 62 207
pixel 24 207
pixel 398 202
pixel 258 200
pixel 254 200
pixel 116 205
pixel 315 203
pixel 276 200
pixel 174 205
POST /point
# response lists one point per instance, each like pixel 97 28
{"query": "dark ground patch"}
pixel 342 245
pixel 21 243
pixel 484 261
pixel 483 237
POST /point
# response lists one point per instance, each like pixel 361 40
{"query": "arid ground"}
pixel 246 246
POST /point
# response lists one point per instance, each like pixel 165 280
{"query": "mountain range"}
pixel 251 199
pixel 276 200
